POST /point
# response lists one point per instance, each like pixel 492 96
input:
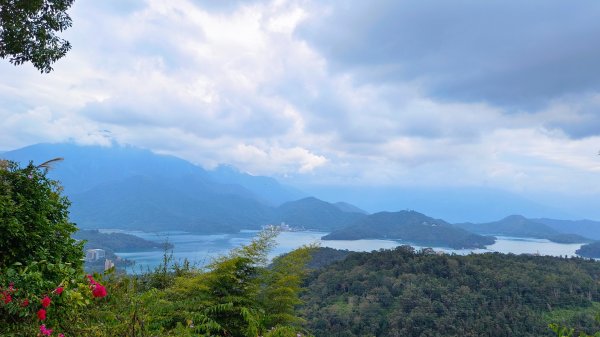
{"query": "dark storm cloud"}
pixel 516 54
pixel 583 121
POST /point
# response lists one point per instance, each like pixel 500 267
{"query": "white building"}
pixel 108 264
pixel 94 255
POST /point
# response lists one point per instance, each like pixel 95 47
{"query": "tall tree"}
pixel 28 31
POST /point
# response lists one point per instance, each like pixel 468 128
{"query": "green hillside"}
pixel 410 226
pixel 312 213
pixel 403 292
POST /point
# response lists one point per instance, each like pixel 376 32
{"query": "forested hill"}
pixel 313 213
pixel 412 227
pixel 520 226
pixel 587 228
pixel 402 292
pixel 117 242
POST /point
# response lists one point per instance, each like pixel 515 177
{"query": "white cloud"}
pixel 242 87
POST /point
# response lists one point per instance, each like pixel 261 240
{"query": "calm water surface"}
pixel 201 249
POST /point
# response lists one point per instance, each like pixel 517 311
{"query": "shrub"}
pixel 34 222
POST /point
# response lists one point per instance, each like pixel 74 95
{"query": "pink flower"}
pixel 45 331
pixel 59 290
pixel 98 290
pixel 61 335
pixel 46 301
pixel 25 303
pixel 7 298
pixel 41 314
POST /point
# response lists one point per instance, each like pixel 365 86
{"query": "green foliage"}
pixel 562 331
pixel 571 315
pixel 282 283
pixel 324 256
pixel 239 296
pixel 233 296
pixel 34 222
pixel 28 31
pixel 403 292
pixel 26 287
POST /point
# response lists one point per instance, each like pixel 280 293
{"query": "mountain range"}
pixel 520 226
pixel 130 188
pixel 453 204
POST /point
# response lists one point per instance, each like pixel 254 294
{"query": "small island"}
pixel 413 227
pixel 100 248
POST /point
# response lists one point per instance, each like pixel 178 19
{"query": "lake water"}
pixel 201 249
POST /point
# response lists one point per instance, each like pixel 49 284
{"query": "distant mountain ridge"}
pixel 266 189
pixel 512 225
pixel 131 188
pixel 520 226
pixel 472 204
pixel 346 207
pixel 587 228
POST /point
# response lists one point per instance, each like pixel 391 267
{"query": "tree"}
pixel 34 219
pixel 240 295
pixel 28 31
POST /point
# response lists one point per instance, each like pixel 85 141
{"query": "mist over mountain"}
pixel 587 228
pixel 453 204
pixel 267 189
pixel 520 226
pixel 346 207
pixel 130 188
pixel 512 225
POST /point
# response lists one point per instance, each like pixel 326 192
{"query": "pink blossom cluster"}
pixel 7 296
pixel 48 332
pixel 41 314
pixel 98 290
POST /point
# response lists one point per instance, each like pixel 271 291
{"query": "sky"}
pixel 498 94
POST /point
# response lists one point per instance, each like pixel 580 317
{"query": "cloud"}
pixel 511 54
pixel 384 93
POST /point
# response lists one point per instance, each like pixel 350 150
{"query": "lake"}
pixel 200 249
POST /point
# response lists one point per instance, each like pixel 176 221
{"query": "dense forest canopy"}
pixel 403 292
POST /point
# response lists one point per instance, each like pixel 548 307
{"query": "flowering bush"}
pixel 98 290
pixel 25 309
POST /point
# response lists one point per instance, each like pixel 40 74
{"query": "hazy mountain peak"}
pixel 515 217
pixel 347 207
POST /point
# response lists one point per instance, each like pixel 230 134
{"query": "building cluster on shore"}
pixel 96 255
